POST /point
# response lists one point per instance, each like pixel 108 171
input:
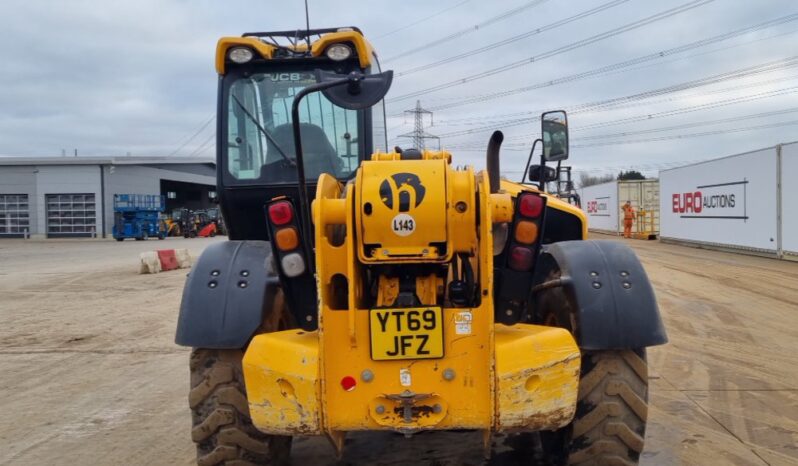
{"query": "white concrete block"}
pixel 183 258
pixel 150 263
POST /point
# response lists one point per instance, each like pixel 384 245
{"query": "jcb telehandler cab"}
pixel 364 289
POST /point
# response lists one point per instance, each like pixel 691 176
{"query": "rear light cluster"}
pixel 281 213
pixel 285 234
pixel 526 231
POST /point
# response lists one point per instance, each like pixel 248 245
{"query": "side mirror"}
pixel 361 91
pixel 542 174
pixel 555 136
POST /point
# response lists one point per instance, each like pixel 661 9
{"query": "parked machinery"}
pixel 409 295
pixel 138 216
pixel 566 189
pixel 172 223
pixel 189 221
pixel 215 216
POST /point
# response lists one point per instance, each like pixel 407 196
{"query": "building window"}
pixel 171 195
pixel 211 194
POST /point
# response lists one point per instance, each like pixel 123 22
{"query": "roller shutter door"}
pixel 71 215
pixel 14 215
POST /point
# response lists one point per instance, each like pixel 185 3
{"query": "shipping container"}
pixel 600 203
pixel 731 202
pixel 603 204
pixel 788 205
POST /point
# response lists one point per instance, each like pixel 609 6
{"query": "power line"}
pixel 667 113
pixel 559 50
pixel 594 106
pixel 503 118
pixel 678 111
pixel 699 107
pixel 470 29
pixel 675 127
pixel 706 52
pixel 647 167
pixel 604 138
pixel 690 135
pixel 695 108
pixel 419 21
pixel 620 65
pixel 205 144
pixel 515 38
pixel 393 128
pixel 685 125
pixel 195 134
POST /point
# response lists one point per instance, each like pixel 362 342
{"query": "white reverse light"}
pixel 293 264
pixel 338 52
pixel 240 54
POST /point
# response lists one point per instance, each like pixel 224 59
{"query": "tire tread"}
pixel 609 427
pixel 222 429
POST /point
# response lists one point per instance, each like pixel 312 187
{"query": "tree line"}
pixel 586 179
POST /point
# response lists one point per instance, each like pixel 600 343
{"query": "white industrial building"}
pixel 73 196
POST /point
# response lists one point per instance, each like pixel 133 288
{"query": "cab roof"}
pixel 293 45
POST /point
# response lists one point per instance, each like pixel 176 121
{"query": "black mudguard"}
pixel 226 294
pixel 606 285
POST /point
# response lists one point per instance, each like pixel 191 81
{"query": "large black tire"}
pixel 610 422
pixel 609 426
pixel 222 429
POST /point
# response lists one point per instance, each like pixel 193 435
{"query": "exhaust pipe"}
pixel 494 145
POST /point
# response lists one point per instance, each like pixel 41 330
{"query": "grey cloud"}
pixel 112 77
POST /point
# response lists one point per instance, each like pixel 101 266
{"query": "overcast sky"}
pixel 111 78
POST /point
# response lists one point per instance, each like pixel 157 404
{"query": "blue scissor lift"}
pixel 138 216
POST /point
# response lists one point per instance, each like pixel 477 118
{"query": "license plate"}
pixel 409 333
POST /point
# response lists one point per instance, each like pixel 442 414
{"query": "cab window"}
pixel 260 135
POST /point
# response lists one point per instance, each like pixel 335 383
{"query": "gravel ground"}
pixel 90 373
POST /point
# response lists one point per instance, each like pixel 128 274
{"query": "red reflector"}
pixel 520 259
pixel 530 205
pixel 281 212
pixel 348 383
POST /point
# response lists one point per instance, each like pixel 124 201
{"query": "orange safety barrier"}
pixel 168 259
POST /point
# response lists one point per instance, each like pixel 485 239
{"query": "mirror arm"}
pixel 528 161
pixel 304 206
pixel 542 179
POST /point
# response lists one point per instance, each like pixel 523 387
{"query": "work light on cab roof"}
pixel 240 54
pixel 338 52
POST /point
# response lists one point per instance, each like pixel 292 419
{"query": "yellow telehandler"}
pixel 368 289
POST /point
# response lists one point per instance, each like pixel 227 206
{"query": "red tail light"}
pixel 530 205
pixel 521 259
pixel 281 212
